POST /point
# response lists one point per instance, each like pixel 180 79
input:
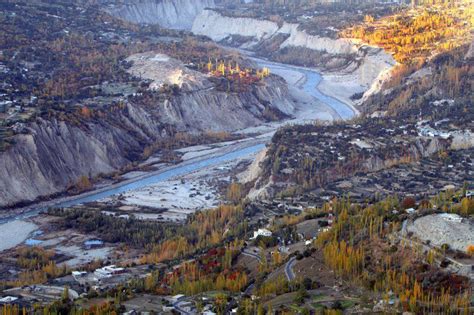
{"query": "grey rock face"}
pixel 176 14
pixel 55 154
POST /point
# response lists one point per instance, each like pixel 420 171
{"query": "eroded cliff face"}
pixel 363 67
pixel 218 27
pixel 200 104
pixel 175 14
pixel 54 154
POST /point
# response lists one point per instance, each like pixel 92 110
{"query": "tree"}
pixel 301 296
pixel 445 247
pixel 345 260
pixel 467 206
pixel 430 257
pixel 276 256
pixel 263 266
pixel 221 303
pixel 83 183
pixel 408 202
pixel 86 112
pixel 227 259
pixel 234 192
pixel 308 283
pixel 65 295
pixel 369 19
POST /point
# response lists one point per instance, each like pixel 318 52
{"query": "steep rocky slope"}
pixel 176 14
pixel 52 154
pixel 347 63
pixel 219 27
pixel 200 106
pixel 400 154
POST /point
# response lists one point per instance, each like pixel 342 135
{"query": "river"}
pixel 229 153
pixel 310 86
pixel 222 156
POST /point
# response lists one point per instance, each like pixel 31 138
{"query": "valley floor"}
pixel 149 189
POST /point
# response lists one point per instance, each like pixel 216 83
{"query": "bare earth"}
pixel 14 233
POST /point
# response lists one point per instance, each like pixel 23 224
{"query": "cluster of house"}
pixel 8 300
pixel 261 232
pixel 468 194
pixel 185 305
pixel 4 106
pixel 9 107
pixel 29 295
pixel 425 130
pixel 107 272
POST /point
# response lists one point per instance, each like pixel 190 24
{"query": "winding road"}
pixel 290 275
pixel 250 254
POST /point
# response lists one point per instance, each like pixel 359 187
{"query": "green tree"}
pixel 65 295
pixel 301 296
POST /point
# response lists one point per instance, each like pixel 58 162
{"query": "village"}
pixel 378 156
pixel 278 237
pixel 275 241
pixel 185 198
pixel 83 284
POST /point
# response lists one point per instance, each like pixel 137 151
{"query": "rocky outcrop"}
pixel 219 27
pixel 217 111
pixel 462 140
pixel 54 154
pixel 444 228
pixel 176 14
pixel 253 171
pixel 200 105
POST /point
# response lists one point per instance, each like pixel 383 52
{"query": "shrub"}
pixel 408 202
pixel 470 250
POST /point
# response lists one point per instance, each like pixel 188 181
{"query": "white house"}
pixel 78 274
pixel 8 299
pixel 177 298
pixel 451 217
pixel 261 232
pixel 108 271
pixel 410 210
